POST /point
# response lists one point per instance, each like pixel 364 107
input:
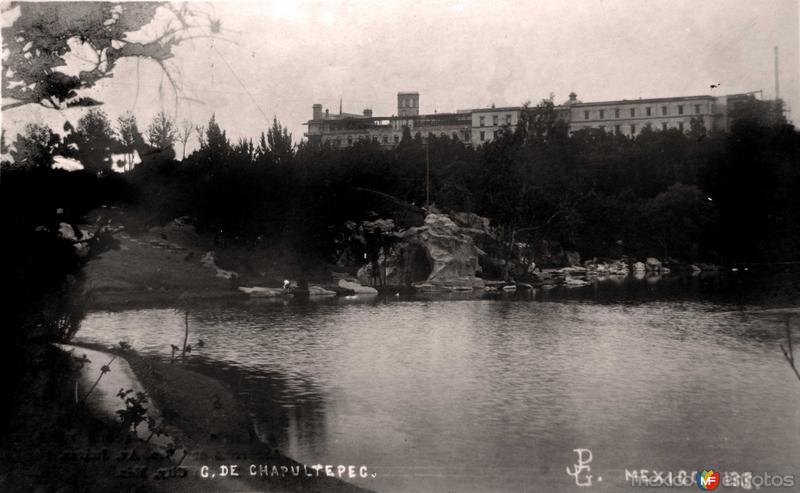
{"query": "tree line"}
pixel 694 196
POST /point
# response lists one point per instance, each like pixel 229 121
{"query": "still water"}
pixel 494 394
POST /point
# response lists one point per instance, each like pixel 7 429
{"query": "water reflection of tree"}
pixel 788 352
pixel 265 391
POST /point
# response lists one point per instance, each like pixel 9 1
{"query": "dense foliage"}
pixel 726 198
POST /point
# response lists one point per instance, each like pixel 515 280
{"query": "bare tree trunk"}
pixel 186 333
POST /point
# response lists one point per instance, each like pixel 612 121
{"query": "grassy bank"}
pixel 50 442
pixel 202 414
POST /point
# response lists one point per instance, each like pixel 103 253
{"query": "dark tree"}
pixel 130 138
pixel 95 141
pixel 161 134
pixel 36 147
pixel 276 147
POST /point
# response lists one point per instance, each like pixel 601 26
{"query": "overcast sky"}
pixel 281 57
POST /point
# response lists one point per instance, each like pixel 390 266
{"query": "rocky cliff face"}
pixel 438 254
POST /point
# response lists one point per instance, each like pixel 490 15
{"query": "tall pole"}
pixel 777 82
pixel 427 174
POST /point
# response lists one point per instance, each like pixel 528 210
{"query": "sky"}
pixel 278 58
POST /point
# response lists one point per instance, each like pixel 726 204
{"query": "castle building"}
pixel 481 125
pixel 630 117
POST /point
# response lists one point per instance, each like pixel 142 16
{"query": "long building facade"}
pixel 481 125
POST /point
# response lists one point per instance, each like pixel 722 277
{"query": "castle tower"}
pixel 408 103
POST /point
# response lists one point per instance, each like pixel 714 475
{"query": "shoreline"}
pixel 202 414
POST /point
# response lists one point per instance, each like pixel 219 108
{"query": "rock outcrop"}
pixel 438 254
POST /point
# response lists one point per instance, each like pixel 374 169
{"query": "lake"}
pixel 465 393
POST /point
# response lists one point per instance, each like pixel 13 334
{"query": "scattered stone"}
pixel 653 264
pixel 356 287
pixel 573 258
pixel 572 282
pixel 319 291
pixel 67 232
pixel 262 292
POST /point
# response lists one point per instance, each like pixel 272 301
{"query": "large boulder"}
pixel 653 264
pixel 438 253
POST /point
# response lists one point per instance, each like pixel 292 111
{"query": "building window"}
pixel 385 139
pixel 616 113
pixel 483 135
pixel 586 115
pixel 482 121
pixel 649 126
pixel 396 139
pixel 663 125
pixel 697 109
pixel 633 112
pixel 663 110
pixel 680 109
pixel 647 110
pixel 508 119
pixel 633 129
pixel 616 128
pixel 602 114
pixel 680 126
pixel 496 133
pixel 494 120
pixel 349 140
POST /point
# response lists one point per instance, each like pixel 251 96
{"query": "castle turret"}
pixel 408 103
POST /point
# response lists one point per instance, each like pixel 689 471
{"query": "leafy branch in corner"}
pixel 36 45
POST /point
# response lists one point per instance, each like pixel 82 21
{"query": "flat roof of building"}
pixel 638 101
pixel 500 108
